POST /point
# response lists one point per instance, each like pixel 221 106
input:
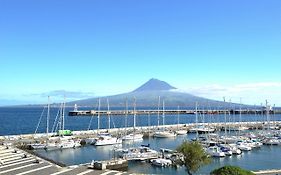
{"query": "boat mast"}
pixel 225 132
pixel 63 113
pixel 126 116
pixel 196 120
pixel 148 122
pixel 108 113
pixel 98 115
pixel 48 116
pixel 163 115
pixel 135 113
pixel 60 120
pixel 262 115
pixel 240 116
pixel 178 117
pixel 203 120
pixel 229 117
pixel 267 114
pixel 273 118
pixel 158 112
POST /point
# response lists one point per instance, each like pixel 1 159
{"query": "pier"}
pixel 173 112
pixel 18 139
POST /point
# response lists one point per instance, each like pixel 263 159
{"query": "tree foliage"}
pixel 194 156
pixel 231 170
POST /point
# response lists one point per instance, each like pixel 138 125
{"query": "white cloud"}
pixel 251 93
pixel 68 94
pixel 58 95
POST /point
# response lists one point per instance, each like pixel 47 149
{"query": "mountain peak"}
pixel 154 85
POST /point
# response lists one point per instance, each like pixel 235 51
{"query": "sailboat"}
pixel 163 133
pixel 105 138
pixel 200 128
pixel 133 136
pixel 180 131
pixel 65 141
pixel 45 144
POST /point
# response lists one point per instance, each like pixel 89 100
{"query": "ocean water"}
pixel 25 120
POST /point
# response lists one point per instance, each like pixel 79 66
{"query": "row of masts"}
pixel 60 122
pixel 108 114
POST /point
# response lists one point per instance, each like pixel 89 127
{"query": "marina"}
pixel 226 133
pixel 106 152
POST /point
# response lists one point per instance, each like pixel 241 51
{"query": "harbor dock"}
pixel 90 133
pixel 154 112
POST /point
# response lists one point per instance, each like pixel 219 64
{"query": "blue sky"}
pixel 208 48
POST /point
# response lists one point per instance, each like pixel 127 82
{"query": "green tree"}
pixel 194 156
pixel 231 170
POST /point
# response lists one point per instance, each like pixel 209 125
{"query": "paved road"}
pixel 17 162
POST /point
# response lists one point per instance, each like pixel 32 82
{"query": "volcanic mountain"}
pixel 154 85
pixel 148 94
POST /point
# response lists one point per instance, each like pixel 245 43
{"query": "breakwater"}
pixel 86 133
pixel 172 112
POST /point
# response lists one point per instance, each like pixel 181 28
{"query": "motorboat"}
pixel 233 148
pixel 107 139
pixel 133 137
pixel 227 151
pixel 215 151
pixel 243 146
pixel 140 153
pixel 161 162
pixel 271 141
pixel 181 132
pixel 164 134
pixel 202 129
pixel 91 141
pixel 69 144
pixel 37 145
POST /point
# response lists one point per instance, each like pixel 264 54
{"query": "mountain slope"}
pixel 154 85
pixel 147 96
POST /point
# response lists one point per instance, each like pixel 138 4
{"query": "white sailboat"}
pixel 105 138
pixel 91 140
pixel 65 141
pixel 45 144
pixel 180 131
pixel 163 133
pixel 133 136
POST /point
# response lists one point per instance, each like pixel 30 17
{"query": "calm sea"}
pixel 25 120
